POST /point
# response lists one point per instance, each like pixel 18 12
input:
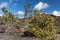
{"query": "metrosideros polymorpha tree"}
pixel 7 13
pixel 27 13
pixel 8 16
pixel 27 9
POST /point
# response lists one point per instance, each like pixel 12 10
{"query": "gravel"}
pixel 4 36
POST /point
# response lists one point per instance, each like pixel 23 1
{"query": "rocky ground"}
pixel 4 36
pixel 58 37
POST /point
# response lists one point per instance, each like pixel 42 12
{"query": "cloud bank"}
pixel 20 12
pixel 56 13
pixel 4 4
pixel 41 6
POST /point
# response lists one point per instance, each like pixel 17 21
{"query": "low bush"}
pixel 43 26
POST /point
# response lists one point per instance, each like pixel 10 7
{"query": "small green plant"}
pixel 18 27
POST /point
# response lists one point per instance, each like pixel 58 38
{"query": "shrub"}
pixel 43 26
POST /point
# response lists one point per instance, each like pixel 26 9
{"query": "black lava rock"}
pixel 28 34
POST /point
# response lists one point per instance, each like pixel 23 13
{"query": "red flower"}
pixel 46 14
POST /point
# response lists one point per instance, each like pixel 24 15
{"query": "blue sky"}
pixel 17 6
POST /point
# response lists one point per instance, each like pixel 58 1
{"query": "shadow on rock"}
pixel 27 34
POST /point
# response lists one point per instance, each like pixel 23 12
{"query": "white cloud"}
pixel 4 4
pixel 20 12
pixel 1 14
pixel 56 13
pixel 41 6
